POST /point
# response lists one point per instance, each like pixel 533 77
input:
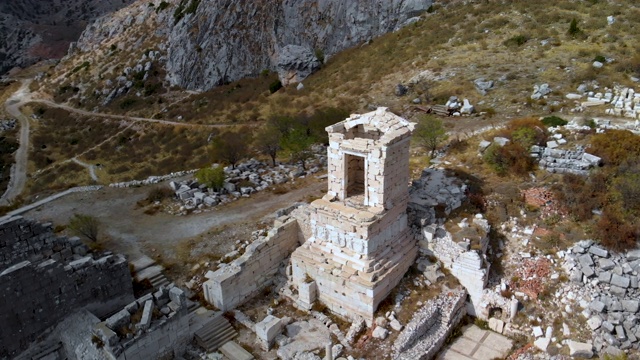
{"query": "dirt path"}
pixel 125 117
pixel 19 169
pixel 132 232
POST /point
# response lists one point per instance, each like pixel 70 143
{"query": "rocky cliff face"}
pixel 205 43
pixel 31 30
pixel 225 40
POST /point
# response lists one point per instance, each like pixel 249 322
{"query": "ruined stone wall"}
pixel 429 328
pixel 240 280
pixel 44 278
pixel 37 296
pixel 21 240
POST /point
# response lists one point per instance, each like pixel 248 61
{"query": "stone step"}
pixel 215 333
pixel 233 351
pixel 49 352
pixel 192 306
pixel 159 280
pixel 149 272
pixel 142 263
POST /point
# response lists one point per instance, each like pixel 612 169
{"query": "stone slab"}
pixel 477 344
pixel 233 351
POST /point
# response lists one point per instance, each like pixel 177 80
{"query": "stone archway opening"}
pixel 355 176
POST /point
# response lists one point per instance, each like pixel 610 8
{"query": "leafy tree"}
pixel 298 144
pixel 268 141
pixel 231 147
pixel 283 123
pixel 510 158
pixel 322 118
pixel 213 177
pixel 429 133
pixel 84 225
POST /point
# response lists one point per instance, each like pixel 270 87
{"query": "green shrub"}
pixel 163 5
pixel 516 41
pixel 275 86
pixel 600 58
pixel 127 103
pixel 509 159
pixel 554 121
pixel 574 30
pixel 84 65
pixel 213 177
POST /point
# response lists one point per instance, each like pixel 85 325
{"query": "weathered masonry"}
pixel 361 245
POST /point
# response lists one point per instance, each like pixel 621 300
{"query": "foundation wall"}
pixel 347 292
pixel 36 297
pixel 254 270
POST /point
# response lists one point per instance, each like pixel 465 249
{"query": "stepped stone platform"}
pixel 360 244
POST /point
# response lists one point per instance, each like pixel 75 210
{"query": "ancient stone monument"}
pixel 361 245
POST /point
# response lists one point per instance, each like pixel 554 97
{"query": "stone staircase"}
pixel 215 334
pixel 158 280
pixel 50 352
pixel 146 269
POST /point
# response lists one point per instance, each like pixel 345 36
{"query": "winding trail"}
pixel 125 117
pixel 19 169
pixel 91 168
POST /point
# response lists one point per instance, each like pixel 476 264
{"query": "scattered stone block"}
pixel 177 296
pixel 118 320
pixel 537 331
pixel 380 333
pixel 631 306
pixel 395 325
pixel 579 349
pixel 594 322
pixel 633 255
pixel 267 330
pixel 598 251
pixel 501 141
pixel 542 343
pixel 617 290
pixel 496 325
pixel 585 260
pixel 147 313
pixel 597 306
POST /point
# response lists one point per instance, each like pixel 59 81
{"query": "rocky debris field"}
pixel 608 285
pixel 245 179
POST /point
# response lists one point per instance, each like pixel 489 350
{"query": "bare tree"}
pixel 84 225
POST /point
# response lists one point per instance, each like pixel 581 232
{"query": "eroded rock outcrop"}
pixel 32 30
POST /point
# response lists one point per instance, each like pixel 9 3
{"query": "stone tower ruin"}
pixel 360 245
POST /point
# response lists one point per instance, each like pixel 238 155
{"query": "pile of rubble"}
pixel 622 100
pixel 245 179
pixel 558 161
pixel 152 179
pixel 606 286
pixel 544 200
pixel 532 276
pixel 434 190
pixel 8 124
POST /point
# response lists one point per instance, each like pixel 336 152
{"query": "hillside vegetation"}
pixel 516 44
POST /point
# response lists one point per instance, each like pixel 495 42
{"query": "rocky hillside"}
pixel 203 44
pixel 33 30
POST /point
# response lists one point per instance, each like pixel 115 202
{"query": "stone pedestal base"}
pixel 350 292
